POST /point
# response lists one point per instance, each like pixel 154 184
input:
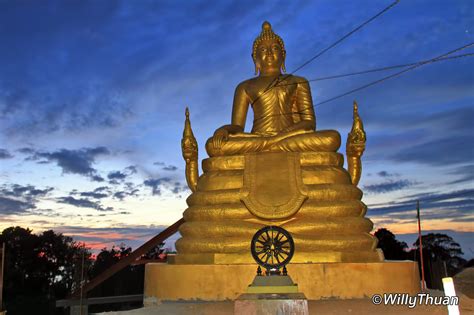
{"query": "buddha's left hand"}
pixel 220 136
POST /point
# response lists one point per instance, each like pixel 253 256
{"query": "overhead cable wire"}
pixel 386 68
pixel 414 65
pixel 338 76
pixel 396 74
pixel 346 36
pixel 277 80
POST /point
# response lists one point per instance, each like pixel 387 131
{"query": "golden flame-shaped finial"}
pixel 188 131
pixel 355 146
pixel 357 131
pixel 189 147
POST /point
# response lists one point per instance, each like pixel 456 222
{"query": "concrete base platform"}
pixel 321 307
pixel 167 282
pixel 258 304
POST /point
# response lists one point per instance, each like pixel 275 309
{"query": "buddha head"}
pixel 268 52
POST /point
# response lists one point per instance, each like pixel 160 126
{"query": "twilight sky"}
pixel 92 99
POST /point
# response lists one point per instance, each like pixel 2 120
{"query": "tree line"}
pixel 42 268
pixel 436 247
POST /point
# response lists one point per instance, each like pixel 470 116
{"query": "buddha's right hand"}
pixel 220 136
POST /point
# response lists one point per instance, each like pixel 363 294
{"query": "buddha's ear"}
pixel 257 68
pixel 283 63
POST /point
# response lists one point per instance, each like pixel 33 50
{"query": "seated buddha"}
pixel 284 119
pixel 282 173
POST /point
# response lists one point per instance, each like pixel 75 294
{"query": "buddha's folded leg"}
pixel 236 146
pixel 322 141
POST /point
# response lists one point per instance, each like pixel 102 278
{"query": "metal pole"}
pixel 421 246
pixel 1 276
pixel 82 277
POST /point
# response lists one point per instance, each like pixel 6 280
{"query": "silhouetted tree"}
pixel 38 269
pixel 155 253
pixel 129 280
pixel 469 264
pixel 438 246
pixel 106 258
pixel 391 247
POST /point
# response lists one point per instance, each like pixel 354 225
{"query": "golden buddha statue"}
pixel 282 173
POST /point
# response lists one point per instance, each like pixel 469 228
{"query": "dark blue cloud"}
pixel 432 139
pixel 97 178
pixel 121 195
pixel 132 169
pixel 101 189
pixel 127 190
pixel 29 192
pixel 84 203
pixel 74 161
pixel 28 151
pixel 165 167
pixel 157 184
pixel 457 204
pixel 456 121
pixel 386 174
pixel 116 177
pixel 59 37
pixel 171 168
pixel 93 194
pixel 465 173
pixel 20 199
pixel 442 151
pixel 388 186
pixel 13 206
pixel 4 154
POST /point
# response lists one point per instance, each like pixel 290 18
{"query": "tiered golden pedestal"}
pixel 328 225
pixel 335 256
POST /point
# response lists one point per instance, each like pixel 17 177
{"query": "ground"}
pixel 325 307
pixel 464 283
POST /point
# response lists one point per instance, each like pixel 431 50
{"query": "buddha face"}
pixel 270 57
